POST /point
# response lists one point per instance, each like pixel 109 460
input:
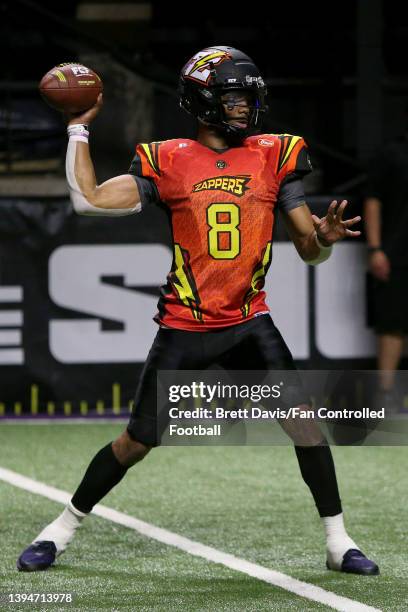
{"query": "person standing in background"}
pixel 385 214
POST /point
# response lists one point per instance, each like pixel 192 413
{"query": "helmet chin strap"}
pixel 232 131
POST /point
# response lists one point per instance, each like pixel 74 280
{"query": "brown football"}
pixel 70 87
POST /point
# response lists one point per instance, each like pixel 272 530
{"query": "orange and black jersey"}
pixel 221 207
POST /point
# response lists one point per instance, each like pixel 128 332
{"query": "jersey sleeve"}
pixel 293 160
pixel 146 172
pixel 291 195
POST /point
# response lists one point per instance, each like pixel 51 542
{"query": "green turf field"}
pixel 247 501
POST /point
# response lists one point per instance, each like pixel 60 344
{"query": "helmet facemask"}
pixel 253 119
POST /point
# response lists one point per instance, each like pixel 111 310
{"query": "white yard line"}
pixel 303 589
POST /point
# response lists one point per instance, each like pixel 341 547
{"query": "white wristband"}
pixel 78 131
pixel 325 252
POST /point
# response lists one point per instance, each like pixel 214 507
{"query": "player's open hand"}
pixel 86 116
pixel 333 227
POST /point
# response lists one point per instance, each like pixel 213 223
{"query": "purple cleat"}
pixel 38 556
pixel 355 562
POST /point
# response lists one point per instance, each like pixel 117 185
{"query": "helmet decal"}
pixel 199 67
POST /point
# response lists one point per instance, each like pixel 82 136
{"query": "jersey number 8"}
pixel 224 240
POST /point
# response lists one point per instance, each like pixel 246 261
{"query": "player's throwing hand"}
pixel 87 116
pixel 332 227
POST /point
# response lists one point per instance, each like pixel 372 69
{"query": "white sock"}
pixel 338 542
pixel 62 530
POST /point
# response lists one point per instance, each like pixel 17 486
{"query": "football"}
pixel 70 87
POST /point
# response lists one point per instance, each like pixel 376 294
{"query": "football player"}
pixel 221 192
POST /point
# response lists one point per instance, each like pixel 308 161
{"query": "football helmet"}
pixel 208 75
